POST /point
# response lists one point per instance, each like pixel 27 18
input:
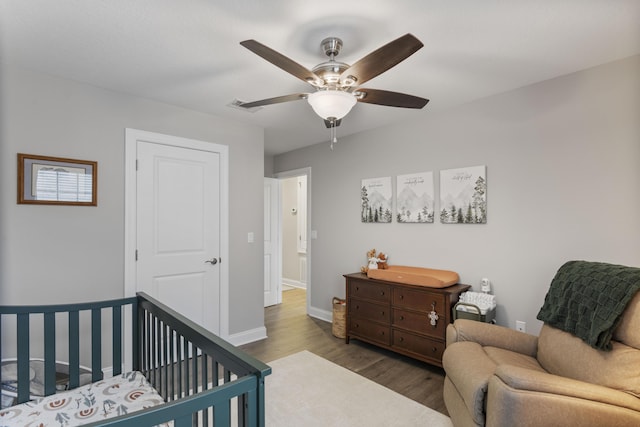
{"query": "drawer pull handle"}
pixel 434 350
pixel 401 339
pixel 381 293
pixel 382 313
pixel 401 317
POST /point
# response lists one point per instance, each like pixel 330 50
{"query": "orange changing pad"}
pixel 416 276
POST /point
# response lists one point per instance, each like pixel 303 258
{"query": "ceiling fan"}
pixel 336 84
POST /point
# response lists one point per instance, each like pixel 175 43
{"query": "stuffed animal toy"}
pixel 382 261
pixel 373 261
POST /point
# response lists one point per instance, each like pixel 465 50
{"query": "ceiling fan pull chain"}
pixel 334 140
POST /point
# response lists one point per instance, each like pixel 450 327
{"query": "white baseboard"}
pixel 246 337
pixel 295 283
pixel 318 313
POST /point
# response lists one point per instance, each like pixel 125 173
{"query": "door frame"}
pixel 132 136
pixel 292 174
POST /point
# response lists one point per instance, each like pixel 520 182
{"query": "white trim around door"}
pixel 132 136
pixel 290 174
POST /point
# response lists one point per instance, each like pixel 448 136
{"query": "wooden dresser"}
pixel 408 319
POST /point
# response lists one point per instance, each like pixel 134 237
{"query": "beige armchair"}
pixel 497 376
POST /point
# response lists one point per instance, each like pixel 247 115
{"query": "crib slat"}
pixel 96 345
pixel 156 352
pixel 74 349
pixel 222 415
pixel 49 353
pixel 23 357
pixel 185 361
pixel 171 393
pixel 1 353
pixel 136 342
pixel 205 386
pixel 185 421
pixel 147 343
pixel 194 371
pixel 116 322
pixel 165 352
pixel 179 363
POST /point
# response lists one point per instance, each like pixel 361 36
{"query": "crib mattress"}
pixel 112 397
pixel 420 276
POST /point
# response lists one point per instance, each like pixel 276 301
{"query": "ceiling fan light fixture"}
pixel 331 103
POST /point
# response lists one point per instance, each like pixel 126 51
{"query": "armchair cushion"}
pixel 628 331
pixel 526 398
pixel 563 354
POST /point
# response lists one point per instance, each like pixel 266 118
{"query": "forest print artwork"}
pixel 414 198
pixel 463 195
pixel 375 197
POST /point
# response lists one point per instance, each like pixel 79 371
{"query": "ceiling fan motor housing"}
pixel 331 46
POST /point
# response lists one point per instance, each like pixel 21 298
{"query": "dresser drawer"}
pixel 421 346
pixel 368 290
pixel 370 331
pixel 419 322
pixel 370 310
pixel 417 299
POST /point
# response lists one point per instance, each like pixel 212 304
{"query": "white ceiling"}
pixel 187 52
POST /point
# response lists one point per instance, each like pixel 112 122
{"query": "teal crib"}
pixel 202 379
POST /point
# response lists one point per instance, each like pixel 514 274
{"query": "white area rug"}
pixel 307 390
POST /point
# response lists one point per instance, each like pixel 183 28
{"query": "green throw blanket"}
pixel 587 299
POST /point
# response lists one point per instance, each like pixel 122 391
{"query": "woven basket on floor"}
pixel 338 327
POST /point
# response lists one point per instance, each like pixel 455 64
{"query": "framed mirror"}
pixel 57 181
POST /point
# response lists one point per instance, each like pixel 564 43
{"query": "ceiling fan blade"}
pixel 276 100
pixel 281 61
pixel 390 99
pixel 380 60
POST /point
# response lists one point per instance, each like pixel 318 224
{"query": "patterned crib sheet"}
pixel 112 397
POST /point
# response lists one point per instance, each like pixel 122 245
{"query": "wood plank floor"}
pixel 290 330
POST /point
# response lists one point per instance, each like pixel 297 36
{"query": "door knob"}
pixel 212 261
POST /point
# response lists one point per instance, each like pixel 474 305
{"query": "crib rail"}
pixel 181 358
pixel 24 319
pixel 203 379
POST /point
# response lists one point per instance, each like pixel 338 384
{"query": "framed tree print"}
pixel 375 200
pixel 414 197
pixel 463 195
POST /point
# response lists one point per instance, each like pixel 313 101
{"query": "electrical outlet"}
pixel 521 326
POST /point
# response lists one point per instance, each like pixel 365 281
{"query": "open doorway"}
pixel 294 232
pixel 292 224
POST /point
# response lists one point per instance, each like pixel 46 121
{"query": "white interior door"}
pixel 178 229
pixel 272 280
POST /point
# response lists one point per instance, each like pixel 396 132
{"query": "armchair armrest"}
pixel 487 334
pixel 527 380
pixel 534 398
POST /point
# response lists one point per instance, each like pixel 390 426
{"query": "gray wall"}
pixel 563 176
pixel 67 254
